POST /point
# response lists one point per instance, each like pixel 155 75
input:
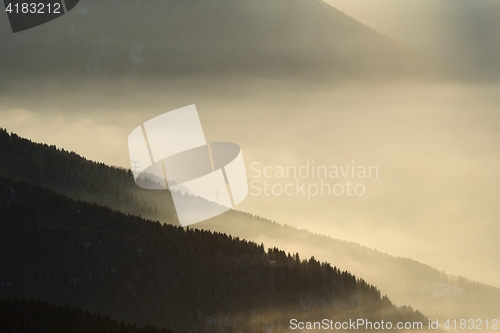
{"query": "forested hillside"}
pixel 71 252
pixel 22 316
pixel 70 174
pixel 425 288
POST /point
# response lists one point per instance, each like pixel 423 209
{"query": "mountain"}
pixel 70 252
pixel 461 32
pixel 276 39
pixel 36 316
pixel 425 288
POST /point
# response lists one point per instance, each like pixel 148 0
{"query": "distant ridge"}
pixel 421 286
pixel 277 39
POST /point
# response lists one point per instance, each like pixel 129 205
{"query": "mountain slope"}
pixel 425 288
pixel 70 252
pixel 303 39
pixel 461 32
pixel 36 316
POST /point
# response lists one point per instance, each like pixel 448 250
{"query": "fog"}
pixel 296 84
pixel 435 149
pixel 459 32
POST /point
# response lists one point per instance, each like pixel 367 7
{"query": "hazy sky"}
pixel 435 146
pixel 460 32
pixel 436 150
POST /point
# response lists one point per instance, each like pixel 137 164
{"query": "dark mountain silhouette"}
pixel 236 38
pixel 425 288
pixel 22 316
pixel 70 252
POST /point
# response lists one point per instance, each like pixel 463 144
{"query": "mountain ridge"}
pixel 301 39
pixel 20 315
pixel 69 174
pixel 142 272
